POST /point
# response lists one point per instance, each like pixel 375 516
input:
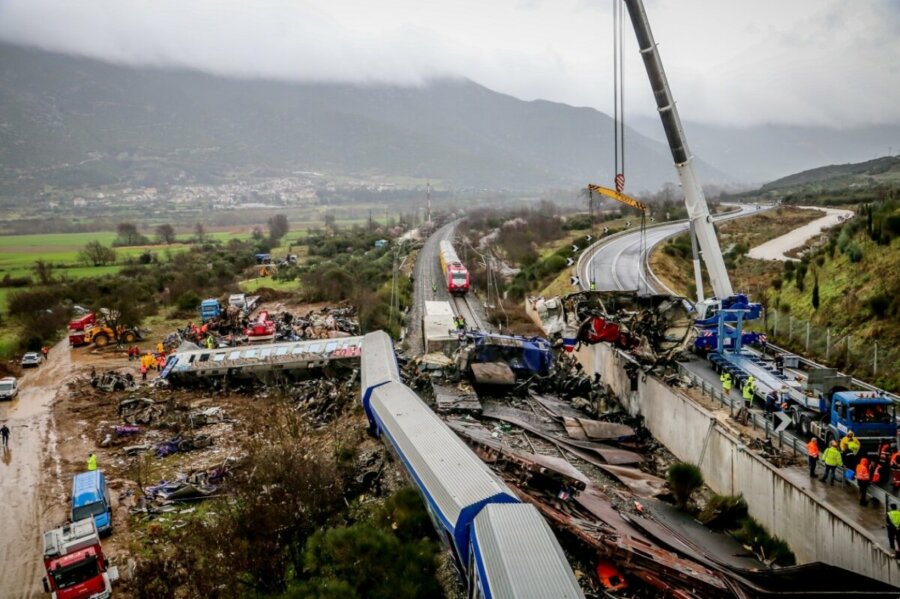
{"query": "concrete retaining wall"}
pixel 691 433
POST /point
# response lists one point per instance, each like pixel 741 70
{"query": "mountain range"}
pixel 77 122
pixel 71 120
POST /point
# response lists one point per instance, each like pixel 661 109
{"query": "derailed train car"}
pixel 503 547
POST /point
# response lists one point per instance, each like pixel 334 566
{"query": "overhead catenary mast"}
pixel 428 198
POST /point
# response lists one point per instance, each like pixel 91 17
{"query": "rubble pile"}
pixel 654 328
pixel 322 400
pixel 230 329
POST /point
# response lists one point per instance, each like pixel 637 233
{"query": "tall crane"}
pixel 697 208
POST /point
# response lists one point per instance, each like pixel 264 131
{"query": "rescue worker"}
pixel 812 455
pixel 593 285
pixel 725 377
pixel 849 448
pixel 863 479
pixel 91 462
pixel 45 351
pixel 892 521
pixel 159 348
pixel 832 459
pixel 160 362
pixel 143 371
pixel 747 392
pixel 884 454
pixel 895 469
pixel 772 403
pixel 210 343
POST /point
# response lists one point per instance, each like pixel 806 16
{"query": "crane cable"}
pixel 619 125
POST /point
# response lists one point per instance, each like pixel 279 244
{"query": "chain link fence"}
pixel 864 359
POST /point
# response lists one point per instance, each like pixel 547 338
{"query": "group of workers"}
pixel 748 388
pixel 148 360
pixel 866 469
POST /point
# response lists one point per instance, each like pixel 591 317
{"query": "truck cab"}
pixel 871 417
pixel 90 500
pixel 210 309
pixel 74 563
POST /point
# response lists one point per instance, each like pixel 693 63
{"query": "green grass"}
pixel 252 285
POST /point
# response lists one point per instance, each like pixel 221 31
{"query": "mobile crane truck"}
pixel 822 405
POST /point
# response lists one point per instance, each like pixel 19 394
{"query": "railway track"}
pixel 462 307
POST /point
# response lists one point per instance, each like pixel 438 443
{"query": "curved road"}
pixel 618 264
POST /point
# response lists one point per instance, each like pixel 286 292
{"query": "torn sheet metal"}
pixel 530 423
pixel 493 373
pixel 584 429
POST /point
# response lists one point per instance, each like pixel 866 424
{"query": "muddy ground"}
pixel 58 419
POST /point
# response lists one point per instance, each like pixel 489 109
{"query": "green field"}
pixel 19 252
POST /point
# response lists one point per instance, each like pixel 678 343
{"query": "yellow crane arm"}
pixel 618 196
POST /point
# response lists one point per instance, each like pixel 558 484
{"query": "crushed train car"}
pixel 266 361
pixel 653 328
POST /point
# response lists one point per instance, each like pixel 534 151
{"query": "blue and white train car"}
pixel 455 484
pixel 515 554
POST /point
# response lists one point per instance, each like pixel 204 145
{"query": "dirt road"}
pixel 22 469
pixel 775 249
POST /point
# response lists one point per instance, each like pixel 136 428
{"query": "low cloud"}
pixel 821 62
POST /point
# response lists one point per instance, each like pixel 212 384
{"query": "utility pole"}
pixel 428 198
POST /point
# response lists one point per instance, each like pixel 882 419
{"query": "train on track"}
pixel 456 277
pixel 504 548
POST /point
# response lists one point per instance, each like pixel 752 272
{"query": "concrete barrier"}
pixel 785 509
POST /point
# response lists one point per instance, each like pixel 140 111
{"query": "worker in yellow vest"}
pixel 832 459
pixel 726 382
pixel 892 520
pixel 747 392
pixel 92 462
pixel 850 449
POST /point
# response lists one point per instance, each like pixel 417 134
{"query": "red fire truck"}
pixel 74 563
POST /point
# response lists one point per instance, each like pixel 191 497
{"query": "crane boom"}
pixel 698 210
pixel 618 196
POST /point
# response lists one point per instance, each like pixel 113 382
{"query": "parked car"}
pixel 31 359
pixel 9 387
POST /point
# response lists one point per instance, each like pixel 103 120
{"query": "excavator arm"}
pixel 617 196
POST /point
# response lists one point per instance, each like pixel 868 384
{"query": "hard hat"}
pixel 849 433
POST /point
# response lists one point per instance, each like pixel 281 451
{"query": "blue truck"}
pixel 90 499
pixel 210 309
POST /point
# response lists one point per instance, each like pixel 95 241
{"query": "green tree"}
pixel 44 271
pixel 97 254
pixel 372 562
pixel 165 233
pixel 815 293
pixel 278 227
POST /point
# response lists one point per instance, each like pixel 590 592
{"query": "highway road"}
pixel 619 263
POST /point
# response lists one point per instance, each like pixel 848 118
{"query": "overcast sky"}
pixel 834 62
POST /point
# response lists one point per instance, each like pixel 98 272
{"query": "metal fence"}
pixel 783 440
pixel 864 359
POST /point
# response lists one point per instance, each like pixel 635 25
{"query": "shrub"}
pixel 188 301
pixel 768 547
pixel 879 304
pixel 684 479
pixel 854 253
pixel 724 512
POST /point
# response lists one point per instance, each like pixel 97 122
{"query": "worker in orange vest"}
pixel 862 480
pixel 895 469
pixel 812 454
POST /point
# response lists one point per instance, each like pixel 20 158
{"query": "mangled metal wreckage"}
pixel 653 328
pixel 266 362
